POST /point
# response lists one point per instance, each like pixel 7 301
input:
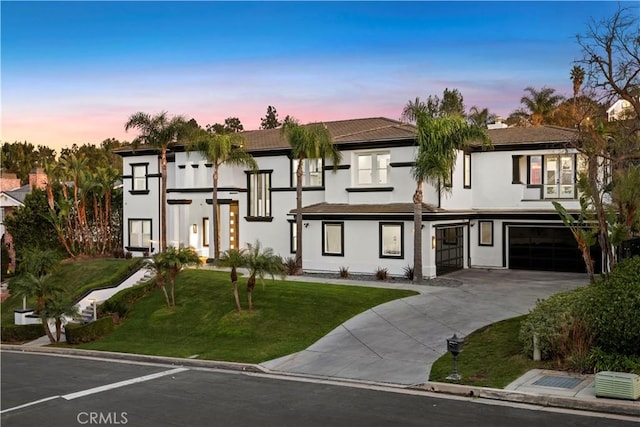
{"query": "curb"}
pixel 610 406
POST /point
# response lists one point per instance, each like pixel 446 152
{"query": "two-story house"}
pixel 497 214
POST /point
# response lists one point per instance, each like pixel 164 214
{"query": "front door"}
pixel 449 249
pixel 234 232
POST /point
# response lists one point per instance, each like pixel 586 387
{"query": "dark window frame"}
pixel 205 232
pixel 140 248
pixel 380 239
pixel 490 224
pixel 466 160
pixel 293 171
pixel 323 228
pixel 135 190
pixel 267 217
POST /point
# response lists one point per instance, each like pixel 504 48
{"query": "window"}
pixel 260 194
pixel 205 231
pixel 559 177
pixel 311 172
pixel 391 240
pixel 333 238
pixel 467 170
pixel 372 168
pixel 140 233
pixel 486 233
pixel 139 177
pixel 293 233
pixel 535 170
pixel 515 170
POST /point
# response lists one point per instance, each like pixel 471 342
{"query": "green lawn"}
pixel 77 277
pixel 491 357
pixel 287 317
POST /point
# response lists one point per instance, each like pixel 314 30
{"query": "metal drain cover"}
pixel 558 382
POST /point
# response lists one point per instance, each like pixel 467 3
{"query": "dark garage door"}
pixel 548 249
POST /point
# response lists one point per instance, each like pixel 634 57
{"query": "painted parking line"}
pixel 99 389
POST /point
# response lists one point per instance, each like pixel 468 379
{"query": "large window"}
pixel 372 168
pixel 140 233
pixel 139 177
pixel 260 194
pixel 333 238
pixel 391 240
pixel 311 172
pixel 559 177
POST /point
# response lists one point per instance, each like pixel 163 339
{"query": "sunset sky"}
pixel 73 72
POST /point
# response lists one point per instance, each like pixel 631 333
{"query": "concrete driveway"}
pixel 397 342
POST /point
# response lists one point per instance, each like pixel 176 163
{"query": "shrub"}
pixel 408 271
pixel 77 334
pixel 344 272
pixel 602 361
pixel 290 266
pixel 612 308
pixel 382 273
pixel 20 333
pixel 116 308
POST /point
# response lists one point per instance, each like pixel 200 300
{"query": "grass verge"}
pixel 491 357
pixel 287 317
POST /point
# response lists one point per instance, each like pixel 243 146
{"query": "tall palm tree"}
pixel 161 132
pixel 540 103
pixel 413 109
pixel 577 78
pixel 439 140
pixel 261 262
pixel 312 141
pixel 220 149
pixel 479 117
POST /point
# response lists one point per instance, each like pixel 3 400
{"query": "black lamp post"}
pixel 454 345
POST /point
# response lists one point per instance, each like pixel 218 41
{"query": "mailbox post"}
pixel 454 345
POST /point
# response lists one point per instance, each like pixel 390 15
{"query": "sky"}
pixel 73 72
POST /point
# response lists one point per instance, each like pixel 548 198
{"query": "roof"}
pixel 20 193
pixel 387 208
pixel 534 134
pixel 342 132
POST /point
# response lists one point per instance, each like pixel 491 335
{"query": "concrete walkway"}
pixel 397 342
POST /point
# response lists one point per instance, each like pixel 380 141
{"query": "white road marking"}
pixel 100 389
pixel 35 402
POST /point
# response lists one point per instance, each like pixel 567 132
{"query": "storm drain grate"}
pixel 559 382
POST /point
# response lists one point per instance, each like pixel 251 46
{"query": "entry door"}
pixel 234 232
pixel 449 249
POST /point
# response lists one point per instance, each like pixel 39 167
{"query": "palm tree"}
pixel 577 77
pixel 413 109
pixel 312 141
pixel 159 265
pixel 234 258
pixel 439 140
pixel 479 117
pixel 43 289
pixel 58 308
pixel 161 132
pixel 261 262
pixel 220 149
pixel 168 264
pixel 541 103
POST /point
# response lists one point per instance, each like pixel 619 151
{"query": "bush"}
pixel 21 333
pixel 290 266
pixel 611 306
pixel 408 271
pixel 382 273
pixel 344 272
pixel 77 334
pixel 602 361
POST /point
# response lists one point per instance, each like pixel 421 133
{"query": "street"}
pixel 70 391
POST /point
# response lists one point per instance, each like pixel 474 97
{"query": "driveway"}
pixel 397 342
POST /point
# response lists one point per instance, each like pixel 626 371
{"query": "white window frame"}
pixel 311 168
pixel 377 178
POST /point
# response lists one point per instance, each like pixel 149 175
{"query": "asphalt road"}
pixel 48 390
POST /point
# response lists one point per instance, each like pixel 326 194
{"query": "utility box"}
pixel 618 385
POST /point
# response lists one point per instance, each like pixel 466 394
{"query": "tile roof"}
pixel 344 208
pixel 521 135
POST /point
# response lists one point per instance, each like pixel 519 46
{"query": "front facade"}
pixel 497 214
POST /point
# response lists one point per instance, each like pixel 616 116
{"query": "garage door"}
pixel 449 249
pixel 547 248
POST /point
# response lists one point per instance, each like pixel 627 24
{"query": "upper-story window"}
pixel 260 194
pixel 555 173
pixel 311 172
pixel 535 170
pixel 139 177
pixel 467 170
pixel 372 168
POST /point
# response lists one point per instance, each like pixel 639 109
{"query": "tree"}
pixel 168 264
pixel 21 157
pixel 577 78
pixel 234 258
pixel 231 125
pixel 439 140
pixel 540 104
pixel 450 104
pixel 161 132
pixel 261 262
pixel 480 118
pixel 270 120
pixel 312 141
pixel 58 308
pixel 221 149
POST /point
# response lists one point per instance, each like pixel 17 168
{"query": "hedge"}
pixel 20 333
pixel 77 334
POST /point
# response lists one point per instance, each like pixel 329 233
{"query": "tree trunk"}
pixel 299 217
pixel 166 296
pixel 58 329
pixel 216 217
pixel 163 200
pixel 417 234
pixel 47 330
pixel 251 283
pixel 236 296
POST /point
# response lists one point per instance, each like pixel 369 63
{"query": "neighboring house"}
pixel 619 110
pixel 498 213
